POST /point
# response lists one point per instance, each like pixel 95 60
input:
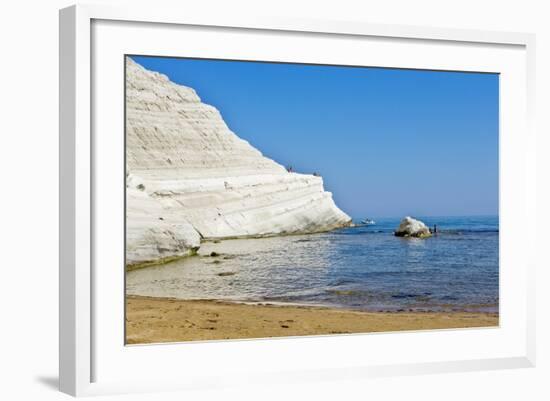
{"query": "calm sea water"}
pixel 358 268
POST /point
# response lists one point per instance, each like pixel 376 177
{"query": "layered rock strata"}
pixel 190 178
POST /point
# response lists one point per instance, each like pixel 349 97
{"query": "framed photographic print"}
pixel 278 199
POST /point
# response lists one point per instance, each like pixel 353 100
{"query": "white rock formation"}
pixel 410 227
pixel 190 178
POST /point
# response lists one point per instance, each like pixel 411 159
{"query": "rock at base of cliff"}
pixel 410 227
pixel 153 234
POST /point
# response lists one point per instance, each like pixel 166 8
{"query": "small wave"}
pixel 449 298
pixel 403 296
pixel 340 282
pixel 343 292
pixel 467 231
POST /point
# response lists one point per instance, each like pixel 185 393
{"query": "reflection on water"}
pixel 360 268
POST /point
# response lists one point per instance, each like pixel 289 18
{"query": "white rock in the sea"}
pixel 410 227
pixel 191 178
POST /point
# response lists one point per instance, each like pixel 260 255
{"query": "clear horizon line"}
pixel 425 215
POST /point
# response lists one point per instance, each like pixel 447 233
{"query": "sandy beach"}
pixel 157 320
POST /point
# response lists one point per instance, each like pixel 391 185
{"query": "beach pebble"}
pixel 223 274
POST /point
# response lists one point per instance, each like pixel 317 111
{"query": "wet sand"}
pixel 157 320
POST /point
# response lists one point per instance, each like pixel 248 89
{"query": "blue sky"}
pixel 388 142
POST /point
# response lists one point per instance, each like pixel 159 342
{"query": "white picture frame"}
pixel 86 352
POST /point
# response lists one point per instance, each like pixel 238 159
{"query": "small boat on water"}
pixel 368 222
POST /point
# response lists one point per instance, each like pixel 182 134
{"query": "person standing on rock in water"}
pixel 435 229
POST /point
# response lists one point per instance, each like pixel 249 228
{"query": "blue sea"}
pixel 364 268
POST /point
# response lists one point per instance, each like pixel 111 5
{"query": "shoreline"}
pixel 214 240
pixel 158 320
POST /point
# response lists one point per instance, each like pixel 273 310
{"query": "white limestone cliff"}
pixel 189 177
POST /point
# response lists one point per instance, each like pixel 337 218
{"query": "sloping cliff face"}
pixel 190 178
